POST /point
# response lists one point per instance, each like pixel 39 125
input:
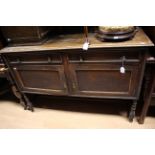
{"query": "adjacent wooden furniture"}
pixel 24 35
pixel 149 80
pixel 149 88
pixel 33 35
pixel 60 67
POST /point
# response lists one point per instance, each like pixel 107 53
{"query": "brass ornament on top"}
pixel 116 33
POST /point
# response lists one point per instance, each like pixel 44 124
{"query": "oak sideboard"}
pixel 60 67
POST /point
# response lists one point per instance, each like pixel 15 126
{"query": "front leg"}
pixel 19 96
pixel 23 103
pixel 132 111
pixel 29 104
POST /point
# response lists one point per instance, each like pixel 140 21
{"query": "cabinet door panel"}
pixel 41 79
pixel 104 79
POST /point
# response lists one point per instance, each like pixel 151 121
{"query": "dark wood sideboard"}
pixel 60 67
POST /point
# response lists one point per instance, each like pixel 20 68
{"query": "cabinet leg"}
pixel 19 96
pixel 24 100
pixel 132 111
pixel 29 105
pixel 23 103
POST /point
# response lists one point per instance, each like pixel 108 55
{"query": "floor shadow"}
pixel 115 107
pixel 86 105
pixel 8 96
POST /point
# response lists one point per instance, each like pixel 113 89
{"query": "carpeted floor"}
pixel 70 113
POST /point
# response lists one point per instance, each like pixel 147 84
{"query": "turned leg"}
pixel 29 104
pixel 147 100
pixel 132 111
pixel 24 100
pixel 19 96
pixel 23 103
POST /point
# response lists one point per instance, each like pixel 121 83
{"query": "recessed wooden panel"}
pixel 103 80
pixel 41 78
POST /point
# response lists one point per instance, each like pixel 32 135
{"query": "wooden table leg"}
pixel 132 111
pixel 19 96
pixel 147 99
pixel 29 104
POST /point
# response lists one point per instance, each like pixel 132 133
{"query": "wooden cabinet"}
pixel 91 74
pixel 61 67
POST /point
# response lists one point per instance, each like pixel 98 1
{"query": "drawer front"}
pixel 42 79
pixel 104 56
pixel 32 58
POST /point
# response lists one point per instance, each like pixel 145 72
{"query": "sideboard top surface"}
pixel 75 41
